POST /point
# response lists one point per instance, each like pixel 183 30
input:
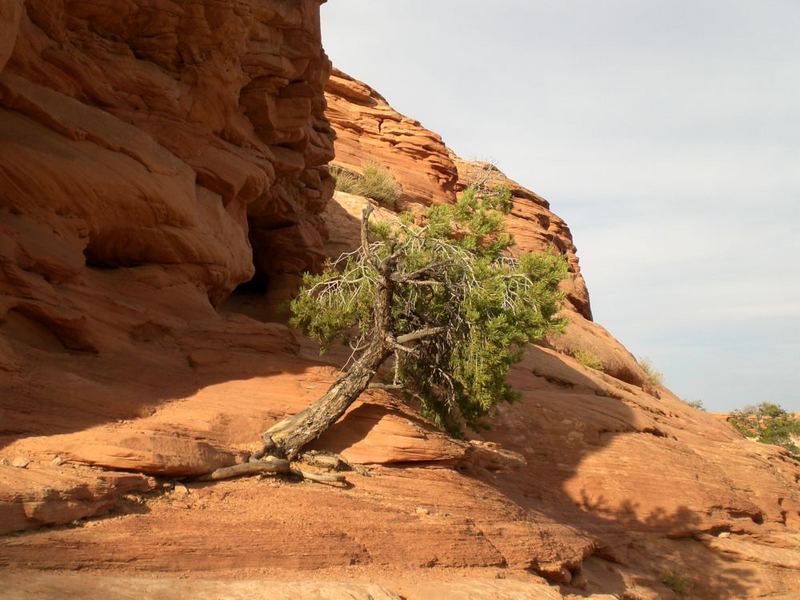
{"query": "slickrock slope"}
pixel 154 157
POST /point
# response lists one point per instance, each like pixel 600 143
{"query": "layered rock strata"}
pixel 183 138
pixel 155 156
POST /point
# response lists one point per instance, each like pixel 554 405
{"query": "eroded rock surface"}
pixel 182 139
pixel 369 130
pixel 156 155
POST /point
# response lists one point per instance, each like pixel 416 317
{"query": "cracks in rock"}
pixel 554 380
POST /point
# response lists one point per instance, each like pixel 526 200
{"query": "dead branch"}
pixel 423 282
pixel 400 348
pixel 366 249
pixel 385 386
pixel 327 478
pixel 419 272
pixel 270 464
pixel 420 334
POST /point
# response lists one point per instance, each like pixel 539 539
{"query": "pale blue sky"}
pixel 665 132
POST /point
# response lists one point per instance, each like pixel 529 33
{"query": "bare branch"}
pixel 366 249
pixel 420 334
pixel 328 478
pixel 270 464
pixel 426 269
pixel 422 282
pixel 385 386
pixel 406 349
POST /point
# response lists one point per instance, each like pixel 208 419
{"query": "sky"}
pixel 666 133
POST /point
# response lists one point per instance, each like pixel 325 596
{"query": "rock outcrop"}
pixel 184 139
pixel 162 181
pixel 369 130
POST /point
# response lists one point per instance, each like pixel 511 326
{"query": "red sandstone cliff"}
pixel 156 155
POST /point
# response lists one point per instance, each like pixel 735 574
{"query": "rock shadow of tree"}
pixel 560 401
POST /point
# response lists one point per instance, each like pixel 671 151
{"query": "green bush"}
pixel 653 377
pixel 346 180
pixel 769 424
pixel 588 359
pixel 375 182
pixel 677 582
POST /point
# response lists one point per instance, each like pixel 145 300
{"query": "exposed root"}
pixel 269 464
pixel 272 464
pixel 332 462
pixel 325 460
pixel 328 478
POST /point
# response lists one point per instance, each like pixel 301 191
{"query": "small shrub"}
pixel 375 182
pixel 698 404
pixel 653 377
pixel 480 175
pixel 769 424
pixel 346 181
pixel 588 359
pixel 677 582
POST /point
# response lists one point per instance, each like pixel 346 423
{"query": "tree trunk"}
pixel 286 438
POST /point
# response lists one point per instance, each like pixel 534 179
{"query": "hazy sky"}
pixel 665 132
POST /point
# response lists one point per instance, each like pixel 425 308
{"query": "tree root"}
pixel 327 478
pixel 269 464
pixel 326 460
pixel 272 464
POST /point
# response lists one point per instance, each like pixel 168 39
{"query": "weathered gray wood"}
pixel 270 464
pixel 286 438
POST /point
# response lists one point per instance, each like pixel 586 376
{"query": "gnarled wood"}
pixel 270 464
pixel 286 438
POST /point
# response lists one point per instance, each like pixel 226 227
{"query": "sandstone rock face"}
pixel 187 138
pixel 54 495
pixel 10 14
pixel 52 587
pixel 155 155
pixel 369 130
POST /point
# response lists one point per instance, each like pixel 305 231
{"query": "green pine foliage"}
pixel 770 424
pixel 454 273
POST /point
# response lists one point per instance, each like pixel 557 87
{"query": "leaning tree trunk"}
pixel 287 437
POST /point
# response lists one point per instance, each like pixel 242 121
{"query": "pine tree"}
pixel 441 301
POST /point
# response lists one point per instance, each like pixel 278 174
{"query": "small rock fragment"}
pixel 57 461
pixel 180 490
pixel 724 534
pixel 20 462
